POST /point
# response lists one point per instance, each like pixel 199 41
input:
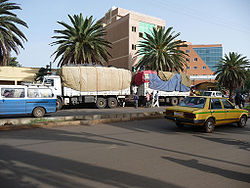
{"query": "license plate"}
pixel 178 114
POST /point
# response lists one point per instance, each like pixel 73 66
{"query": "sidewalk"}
pixel 72 117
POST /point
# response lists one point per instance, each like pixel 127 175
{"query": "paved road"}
pixel 150 154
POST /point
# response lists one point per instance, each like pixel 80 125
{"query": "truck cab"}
pixel 54 82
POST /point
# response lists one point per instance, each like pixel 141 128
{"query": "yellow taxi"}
pixel 206 111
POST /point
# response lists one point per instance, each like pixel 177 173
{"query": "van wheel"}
pixel 59 104
pixel 242 122
pixel 112 102
pixel 174 101
pixel 101 103
pixel 209 125
pixel 38 112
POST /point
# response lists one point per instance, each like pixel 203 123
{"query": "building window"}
pixel 187 51
pixel 188 59
pixel 195 67
pixel 133 47
pixel 195 59
pixel 133 28
pixel 204 67
pixel 140 34
pixel 188 68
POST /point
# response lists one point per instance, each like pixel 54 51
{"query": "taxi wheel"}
pixel 209 125
pixel 242 122
pixel 179 125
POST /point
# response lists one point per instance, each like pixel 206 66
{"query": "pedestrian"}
pixel 156 99
pixel 136 98
pixel 243 100
pixel 152 99
pixel 238 100
pixel 147 100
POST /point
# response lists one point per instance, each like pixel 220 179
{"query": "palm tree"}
pixel 81 43
pixel 10 36
pixel 13 62
pixel 41 73
pixel 231 72
pixel 160 51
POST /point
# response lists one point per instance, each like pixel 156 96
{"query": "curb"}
pixel 87 120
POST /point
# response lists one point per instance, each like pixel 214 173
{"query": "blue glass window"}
pixel 210 55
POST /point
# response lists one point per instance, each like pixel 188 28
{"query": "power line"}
pixel 190 12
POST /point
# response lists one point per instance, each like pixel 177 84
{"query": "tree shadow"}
pixel 50 135
pixel 195 164
pixel 228 141
pixel 165 149
pixel 18 167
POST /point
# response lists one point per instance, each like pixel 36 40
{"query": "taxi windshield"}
pixel 193 102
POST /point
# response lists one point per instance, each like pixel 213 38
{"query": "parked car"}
pixel 33 100
pixel 206 111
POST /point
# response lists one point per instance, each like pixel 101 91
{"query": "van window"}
pixel 12 92
pixel 40 93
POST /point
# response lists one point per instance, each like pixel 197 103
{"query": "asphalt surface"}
pixel 146 153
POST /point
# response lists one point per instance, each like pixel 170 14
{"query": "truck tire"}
pixel 38 112
pixel 59 104
pixel 174 101
pixel 181 99
pixel 112 102
pixel 101 103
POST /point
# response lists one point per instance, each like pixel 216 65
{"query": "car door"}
pixel 232 115
pixel 217 111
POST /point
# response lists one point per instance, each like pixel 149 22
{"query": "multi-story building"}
pixel 202 61
pixel 124 29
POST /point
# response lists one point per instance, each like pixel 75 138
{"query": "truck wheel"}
pixel 112 102
pixel 181 99
pixel 174 101
pixel 101 103
pixel 38 112
pixel 59 104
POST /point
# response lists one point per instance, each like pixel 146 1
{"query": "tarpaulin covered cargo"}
pixel 174 84
pixel 174 81
pixel 165 76
pixel 142 77
pixel 83 78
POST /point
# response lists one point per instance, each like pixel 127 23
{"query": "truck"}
pixel 104 86
pixel 172 87
pixel 110 86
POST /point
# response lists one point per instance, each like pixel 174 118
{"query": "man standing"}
pixel 136 98
pixel 238 99
pixel 156 99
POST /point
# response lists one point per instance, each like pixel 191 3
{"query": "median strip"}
pixel 46 122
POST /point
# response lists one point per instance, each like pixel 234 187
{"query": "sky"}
pixel 225 22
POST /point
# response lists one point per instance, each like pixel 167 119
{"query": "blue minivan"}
pixel 35 100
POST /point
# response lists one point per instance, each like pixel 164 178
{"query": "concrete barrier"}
pixel 46 122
